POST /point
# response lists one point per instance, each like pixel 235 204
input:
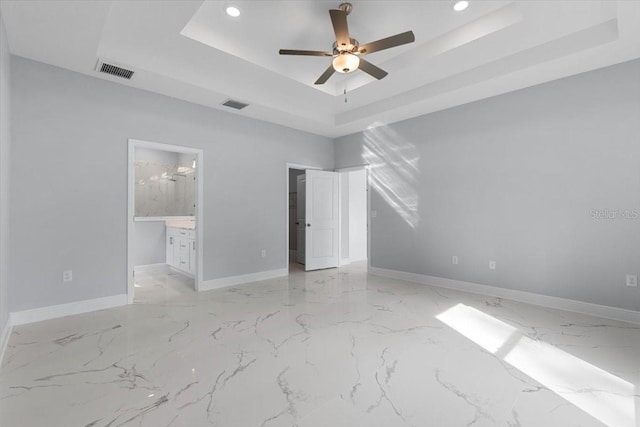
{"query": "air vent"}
pixel 234 104
pixel 114 70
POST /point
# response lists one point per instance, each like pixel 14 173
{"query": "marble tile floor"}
pixel 322 349
pixel 152 288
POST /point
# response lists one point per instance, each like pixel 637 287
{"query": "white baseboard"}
pixel 224 282
pixel 347 261
pixel 607 312
pixel 151 268
pixel 4 338
pixel 61 310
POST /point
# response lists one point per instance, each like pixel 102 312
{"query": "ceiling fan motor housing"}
pixel 348 48
pixel 346 8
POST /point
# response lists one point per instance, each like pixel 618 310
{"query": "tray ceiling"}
pixel 194 51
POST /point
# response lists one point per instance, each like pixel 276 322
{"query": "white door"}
pixel 300 218
pixel 321 216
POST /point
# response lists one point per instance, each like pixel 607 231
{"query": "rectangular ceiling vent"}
pixel 234 104
pixel 114 70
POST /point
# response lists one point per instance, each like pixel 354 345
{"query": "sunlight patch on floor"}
pixel 604 396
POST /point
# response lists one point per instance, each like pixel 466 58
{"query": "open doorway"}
pixel 296 215
pixel 164 220
pixel 313 200
pixel 326 217
pixel 354 202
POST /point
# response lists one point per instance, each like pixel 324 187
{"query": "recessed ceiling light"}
pixel 460 5
pixel 233 11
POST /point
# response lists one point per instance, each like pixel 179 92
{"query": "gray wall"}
pixel 514 179
pixel 357 215
pixel 5 143
pixel 149 242
pixel 73 129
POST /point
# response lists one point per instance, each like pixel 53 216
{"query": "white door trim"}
pixel 199 217
pixel 368 172
pixel 286 198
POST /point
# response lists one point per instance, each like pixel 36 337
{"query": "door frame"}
pixel 287 167
pixel 367 178
pixel 199 213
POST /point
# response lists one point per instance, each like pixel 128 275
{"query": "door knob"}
pixel 297 222
pixel 308 225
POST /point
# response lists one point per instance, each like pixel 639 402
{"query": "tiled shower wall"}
pixel 165 189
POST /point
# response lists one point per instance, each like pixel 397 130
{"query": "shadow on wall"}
pixel 393 170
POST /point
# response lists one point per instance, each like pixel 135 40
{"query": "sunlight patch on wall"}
pixel 393 167
pixel 602 395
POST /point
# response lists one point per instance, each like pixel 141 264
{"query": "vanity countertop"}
pixel 185 225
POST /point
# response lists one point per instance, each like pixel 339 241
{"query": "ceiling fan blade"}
pixel 371 69
pixel 304 52
pixel 389 42
pixel 325 76
pixel 340 27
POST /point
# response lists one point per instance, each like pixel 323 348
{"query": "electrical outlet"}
pixel 454 259
pixel 632 280
pixel 67 276
pixel 492 265
pixel 263 253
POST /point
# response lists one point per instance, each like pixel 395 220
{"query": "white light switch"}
pixel 492 265
pixel 632 280
pixel 263 253
pixel 454 259
pixel 67 276
pixel 374 214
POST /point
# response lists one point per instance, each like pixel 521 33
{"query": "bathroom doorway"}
pixel 164 218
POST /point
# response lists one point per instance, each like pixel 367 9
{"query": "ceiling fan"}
pixel 347 52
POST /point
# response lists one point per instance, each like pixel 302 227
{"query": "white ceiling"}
pixel 193 51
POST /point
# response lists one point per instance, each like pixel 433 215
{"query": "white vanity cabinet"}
pixel 181 249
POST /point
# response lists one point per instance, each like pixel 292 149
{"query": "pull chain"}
pixel 345 95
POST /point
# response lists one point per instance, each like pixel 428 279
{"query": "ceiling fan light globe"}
pixel 346 63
